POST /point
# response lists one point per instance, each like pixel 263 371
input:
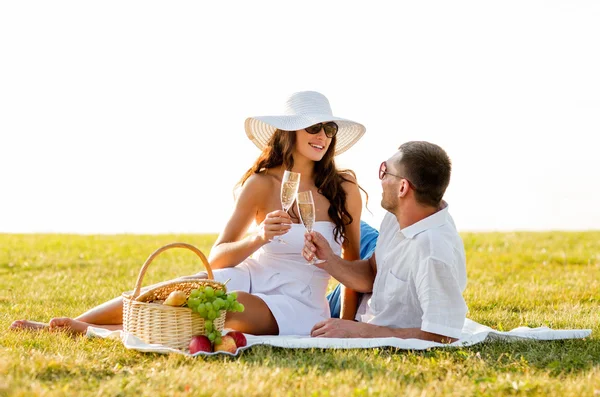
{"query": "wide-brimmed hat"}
pixel 303 109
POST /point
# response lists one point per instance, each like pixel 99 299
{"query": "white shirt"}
pixel 421 274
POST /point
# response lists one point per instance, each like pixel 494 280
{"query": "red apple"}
pixel 200 343
pixel 227 345
pixel 238 337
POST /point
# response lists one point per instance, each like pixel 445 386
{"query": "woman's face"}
pixel 312 146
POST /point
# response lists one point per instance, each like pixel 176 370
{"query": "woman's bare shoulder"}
pixel 259 183
pixel 349 182
pixel 350 186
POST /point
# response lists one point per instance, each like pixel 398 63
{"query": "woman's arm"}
pixel 232 246
pixel 351 246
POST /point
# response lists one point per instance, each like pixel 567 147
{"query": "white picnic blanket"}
pixel 472 334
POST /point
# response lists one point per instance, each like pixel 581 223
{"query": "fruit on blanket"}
pixel 238 337
pixel 200 343
pixel 210 304
pixel 176 298
pixel 227 345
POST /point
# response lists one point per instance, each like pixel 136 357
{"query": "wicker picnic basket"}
pixel 146 317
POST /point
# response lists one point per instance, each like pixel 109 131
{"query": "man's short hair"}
pixel 428 167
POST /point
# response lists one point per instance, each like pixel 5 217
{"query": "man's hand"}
pixel 316 246
pixel 336 328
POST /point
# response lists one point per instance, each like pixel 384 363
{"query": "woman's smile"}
pixel 317 146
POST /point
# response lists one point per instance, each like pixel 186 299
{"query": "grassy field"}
pixel 515 279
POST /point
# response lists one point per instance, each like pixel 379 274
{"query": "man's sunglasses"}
pixel 330 129
pixel 383 172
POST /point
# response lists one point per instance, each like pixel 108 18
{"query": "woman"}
pixel 282 294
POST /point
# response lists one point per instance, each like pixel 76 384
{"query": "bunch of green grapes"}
pixel 208 303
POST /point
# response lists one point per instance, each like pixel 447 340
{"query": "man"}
pixel 418 271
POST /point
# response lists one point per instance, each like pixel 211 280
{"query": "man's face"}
pixel 390 183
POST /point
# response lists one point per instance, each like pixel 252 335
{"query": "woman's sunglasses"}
pixel 330 129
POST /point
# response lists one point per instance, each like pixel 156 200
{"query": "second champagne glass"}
pixel 289 189
pixel 306 208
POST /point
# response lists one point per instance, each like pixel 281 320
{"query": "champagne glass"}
pixel 289 189
pixel 306 208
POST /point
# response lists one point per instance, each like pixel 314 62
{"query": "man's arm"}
pixel 336 328
pixel 358 275
pixel 439 291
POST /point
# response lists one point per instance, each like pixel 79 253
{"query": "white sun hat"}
pixel 303 109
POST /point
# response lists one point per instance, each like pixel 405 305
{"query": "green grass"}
pixel 515 279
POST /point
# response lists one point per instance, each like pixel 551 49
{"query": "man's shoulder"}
pixel 442 242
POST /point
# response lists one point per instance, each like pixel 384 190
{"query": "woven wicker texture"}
pixel 167 325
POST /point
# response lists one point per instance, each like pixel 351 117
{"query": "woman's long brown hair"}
pixel 328 179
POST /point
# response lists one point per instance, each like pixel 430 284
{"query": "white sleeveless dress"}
pixel 294 290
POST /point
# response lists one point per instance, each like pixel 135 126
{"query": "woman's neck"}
pixel 305 167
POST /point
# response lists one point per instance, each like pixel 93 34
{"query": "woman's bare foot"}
pixel 67 324
pixel 28 325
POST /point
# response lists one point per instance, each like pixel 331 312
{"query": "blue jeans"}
pixel 368 240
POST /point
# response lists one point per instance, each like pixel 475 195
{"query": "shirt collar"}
pixel 438 219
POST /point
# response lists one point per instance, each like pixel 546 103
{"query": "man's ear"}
pixel 403 189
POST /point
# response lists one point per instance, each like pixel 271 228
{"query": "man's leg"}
pixel 335 302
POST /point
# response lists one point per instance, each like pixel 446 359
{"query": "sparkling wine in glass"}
pixel 306 208
pixel 289 189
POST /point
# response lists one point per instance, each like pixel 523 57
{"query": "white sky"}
pixel 127 116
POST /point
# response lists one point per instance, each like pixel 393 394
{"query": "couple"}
pixel 416 275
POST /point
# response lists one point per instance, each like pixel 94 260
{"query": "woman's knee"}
pixel 256 317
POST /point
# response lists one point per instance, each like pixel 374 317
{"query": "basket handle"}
pixel 138 284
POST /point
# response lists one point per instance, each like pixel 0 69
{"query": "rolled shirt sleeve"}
pixel 440 296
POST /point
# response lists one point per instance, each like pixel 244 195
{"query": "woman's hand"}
pixel 276 223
